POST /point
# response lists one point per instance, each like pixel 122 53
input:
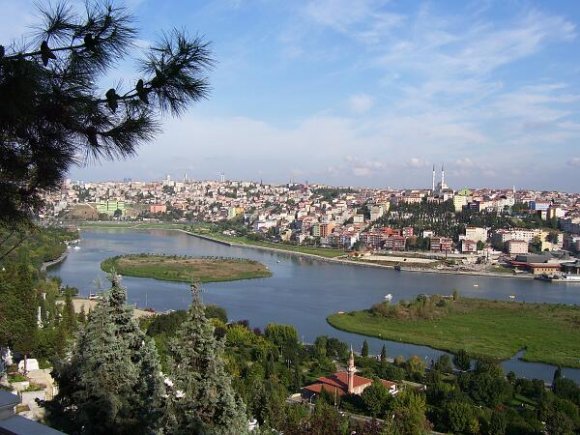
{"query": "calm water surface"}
pixel 301 291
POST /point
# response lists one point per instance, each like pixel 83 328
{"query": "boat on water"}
pixel 511 296
pixel 388 297
pixel 559 278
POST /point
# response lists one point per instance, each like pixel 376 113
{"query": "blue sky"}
pixel 367 92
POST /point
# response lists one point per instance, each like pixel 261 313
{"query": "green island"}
pixel 497 329
pixel 185 269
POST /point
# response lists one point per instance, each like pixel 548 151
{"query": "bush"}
pixel 16 377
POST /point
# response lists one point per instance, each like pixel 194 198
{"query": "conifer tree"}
pixel 112 382
pixel 69 318
pixel 365 349
pixel 200 398
pixel 18 307
pixel 384 354
pixel 53 113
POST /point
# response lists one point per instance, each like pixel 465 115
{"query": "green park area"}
pixel 497 329
pixel 185 269
pixel 310 250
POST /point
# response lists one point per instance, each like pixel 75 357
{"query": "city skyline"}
pixel 371 93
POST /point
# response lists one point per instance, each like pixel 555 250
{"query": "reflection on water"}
pixel 302 290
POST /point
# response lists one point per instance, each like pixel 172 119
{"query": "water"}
pixel 301 291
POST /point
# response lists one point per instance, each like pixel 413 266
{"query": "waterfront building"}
pixel 441 244
pixel 395 243
pixel 515 247
pixel 476 234
pixel 468 246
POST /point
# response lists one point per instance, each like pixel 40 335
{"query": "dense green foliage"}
pixel 112 382
pixel 200 398
pixel 331 193
pixel 24 289
pixel 444 221
pixel 38 244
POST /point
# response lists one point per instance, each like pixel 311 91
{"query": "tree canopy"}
pixel 112 381
pixel 53 113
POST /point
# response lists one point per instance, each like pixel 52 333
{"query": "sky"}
pixel 364 92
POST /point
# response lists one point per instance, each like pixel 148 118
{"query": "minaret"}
pixel 442 177
pixel 433 180
pixel 350 371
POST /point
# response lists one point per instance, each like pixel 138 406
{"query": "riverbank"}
pixel 335 256
pixel 496 329
pixel 185 269
pixel 358 262
pixel 48 264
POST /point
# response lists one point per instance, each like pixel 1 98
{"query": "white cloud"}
pixel 365 20
pixel 361 103
pixel 575 161
pixel 416 162
pixel 465 162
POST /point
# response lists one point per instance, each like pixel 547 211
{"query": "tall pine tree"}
pixel 201 398
pixel 18 307
pixel 112 382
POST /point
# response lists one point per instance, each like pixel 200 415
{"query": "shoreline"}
pixel 542 348
pixel 136 269
pixel 355 262
pixel 320 257
pixel 48 264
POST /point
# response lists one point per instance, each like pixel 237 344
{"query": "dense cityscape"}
pixel 439 220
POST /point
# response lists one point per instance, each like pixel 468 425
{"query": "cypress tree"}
pixel 384 353
pixel 200 398
pixel 365 349
pixel 69 318
pixel 112 382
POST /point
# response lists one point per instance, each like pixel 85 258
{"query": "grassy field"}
pixel 549 333
pixel 185 269
pixel 133 225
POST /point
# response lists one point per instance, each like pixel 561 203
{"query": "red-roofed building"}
pixel 347 382
pixel 395 243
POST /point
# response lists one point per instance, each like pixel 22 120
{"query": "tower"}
pixel 350 371
pixel 433 180
pixel 443 177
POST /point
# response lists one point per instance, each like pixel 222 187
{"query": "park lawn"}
pixel 499 329
pixel 186 269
